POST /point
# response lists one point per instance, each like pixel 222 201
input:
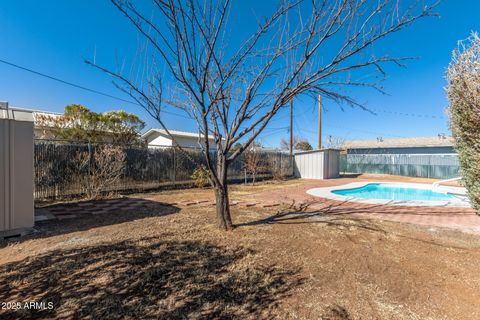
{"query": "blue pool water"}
pixel 392 192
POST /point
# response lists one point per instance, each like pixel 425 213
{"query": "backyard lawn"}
pixel 291 256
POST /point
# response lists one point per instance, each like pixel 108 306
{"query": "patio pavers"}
pixel 295 196
pixel 79 209
pixel 464 219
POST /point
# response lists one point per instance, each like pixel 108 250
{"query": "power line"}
pixel 379 110
pixel 275 128
pixel 357 130
pixel 80 86
pixel 65 82
pixel 410 114
pixel 272 132
pixel 188 117
pixel 303 113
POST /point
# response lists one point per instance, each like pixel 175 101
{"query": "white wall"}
pixel 16 171
pixel 156 140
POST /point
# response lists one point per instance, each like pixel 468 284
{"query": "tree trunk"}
pixel 224 219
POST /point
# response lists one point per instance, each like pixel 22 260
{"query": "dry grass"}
pixel 283 262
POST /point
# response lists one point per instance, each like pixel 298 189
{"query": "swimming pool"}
pixel 394 192
pixel 408 194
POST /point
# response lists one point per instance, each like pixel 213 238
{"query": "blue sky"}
pixel 54 36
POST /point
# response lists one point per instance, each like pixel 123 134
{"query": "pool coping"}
pixel 326 192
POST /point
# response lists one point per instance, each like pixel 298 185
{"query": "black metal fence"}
pixel 65 170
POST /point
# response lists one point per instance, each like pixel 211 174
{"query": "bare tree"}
pixel 334 142
pixel 233 90
pixel 253 159
pixel 101 169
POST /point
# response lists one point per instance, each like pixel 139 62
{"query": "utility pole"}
pixel 319 122
pixel 291 128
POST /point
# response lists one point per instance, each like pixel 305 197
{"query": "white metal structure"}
pixel 454 190
pixel 16 171
pixel 317 164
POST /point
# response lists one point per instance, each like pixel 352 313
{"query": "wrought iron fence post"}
pixel 89 177
pixel 174 166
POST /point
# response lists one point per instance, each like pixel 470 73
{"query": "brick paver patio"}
pixel 79 209
pixel 463 219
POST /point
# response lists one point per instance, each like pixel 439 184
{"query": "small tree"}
pixel 464 95
pixel 298 144
pixel 303 145
pixel 285 144
pixel 124 127
pixel 233 87
pixel 252 160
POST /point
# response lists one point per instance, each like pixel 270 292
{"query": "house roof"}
pixel 183 134
pixel 437 141
pixel 35 111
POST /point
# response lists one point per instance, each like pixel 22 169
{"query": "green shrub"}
pixel 200 176
pixel 464 96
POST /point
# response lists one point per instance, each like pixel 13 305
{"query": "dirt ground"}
pixel 291 261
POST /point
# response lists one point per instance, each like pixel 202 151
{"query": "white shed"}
pixel 16 171
pixel 317 164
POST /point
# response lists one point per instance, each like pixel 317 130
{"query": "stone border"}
pixel 328 194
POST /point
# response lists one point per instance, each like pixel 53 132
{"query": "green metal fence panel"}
pixel 439 166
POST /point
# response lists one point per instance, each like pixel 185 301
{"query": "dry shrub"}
pixel 101 168
pixel 252 160
pixel 200 176
pixel 464 95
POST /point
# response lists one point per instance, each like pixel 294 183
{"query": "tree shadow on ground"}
pixel 49 228
pixel 333 214
pixel 146 279
pixel 298 213
pixel 343 215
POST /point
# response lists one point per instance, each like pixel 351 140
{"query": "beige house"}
pixel 42 129
pixel 39 131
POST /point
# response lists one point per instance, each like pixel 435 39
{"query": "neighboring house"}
pixel 42 130
pixel 39 132
pixel 440 144
pixel 158 138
